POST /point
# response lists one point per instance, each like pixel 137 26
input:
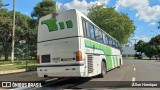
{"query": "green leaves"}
pixel 139 47
pixel 43 8
pixel 116 24
pixel 155 40
pixel 21 32
pixel 151 48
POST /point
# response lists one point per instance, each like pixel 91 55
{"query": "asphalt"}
pixel 133 71
pixel 123 78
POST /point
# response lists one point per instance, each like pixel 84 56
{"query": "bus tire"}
pixel 119 63
pixel 103 70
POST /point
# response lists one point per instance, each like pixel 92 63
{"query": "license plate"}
pixel 56 60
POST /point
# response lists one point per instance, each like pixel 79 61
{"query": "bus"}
pixel 70 45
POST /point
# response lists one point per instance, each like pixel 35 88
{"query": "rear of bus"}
pixel 58 53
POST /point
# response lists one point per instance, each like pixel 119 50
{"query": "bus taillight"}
pixel 79 56
pixel 38 59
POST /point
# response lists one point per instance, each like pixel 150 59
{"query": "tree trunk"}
pixel 6 56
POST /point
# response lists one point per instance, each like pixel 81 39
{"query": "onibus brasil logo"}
pixel 52 26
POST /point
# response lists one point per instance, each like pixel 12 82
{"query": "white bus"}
pixel 70 45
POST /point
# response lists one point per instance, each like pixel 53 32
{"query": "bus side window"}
pixel 96 34
pixel 113 42
pixel 101 36
pixel 104 38
pixel 92 33
pixel 110 41
pixel 107 40
pixel 84 27
pixel 116 45
pixel 87 29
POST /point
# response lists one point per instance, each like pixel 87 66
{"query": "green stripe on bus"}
pixel 106 49
pixel 117 61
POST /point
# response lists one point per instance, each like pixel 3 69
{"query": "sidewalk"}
pixel 24 76
pixel 12 71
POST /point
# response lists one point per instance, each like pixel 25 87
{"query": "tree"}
pixel 139 47
pixel 151 48
pixel 22 27
pixel 150 51
pixel 1 3
pixel 158 50
pixel 116 24
pixel 5 31
pixel 155 40
pixel 43 8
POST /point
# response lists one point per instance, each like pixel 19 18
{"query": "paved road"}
pixel 23 76
pixel 138 70
pixel 131 72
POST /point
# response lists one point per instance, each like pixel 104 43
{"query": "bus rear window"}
pixel 45 58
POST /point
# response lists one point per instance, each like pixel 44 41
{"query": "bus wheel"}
pixel 119 63
pixel 103 69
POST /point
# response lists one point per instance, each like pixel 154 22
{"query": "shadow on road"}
pixel 157 60
pixel 68 83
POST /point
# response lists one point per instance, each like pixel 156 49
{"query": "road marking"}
pixel 134 69
pixel 51 79
pixel 133 65
pixel 133 79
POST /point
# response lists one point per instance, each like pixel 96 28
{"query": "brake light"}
pixel 79 56
pixel 38 59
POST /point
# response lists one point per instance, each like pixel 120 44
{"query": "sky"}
pixel 144 13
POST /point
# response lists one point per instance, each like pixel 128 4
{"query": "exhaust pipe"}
pixel 45 76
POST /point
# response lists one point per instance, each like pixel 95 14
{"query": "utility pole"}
pixel 13 32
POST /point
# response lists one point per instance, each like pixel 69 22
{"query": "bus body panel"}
pixel 110 54
pixel 62 44
pixel 59 45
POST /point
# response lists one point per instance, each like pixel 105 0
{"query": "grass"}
pixel 128 58
pixel 18 64
pixel 133 58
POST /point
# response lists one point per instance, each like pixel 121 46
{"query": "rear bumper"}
pixel 67 70
pixel 61 65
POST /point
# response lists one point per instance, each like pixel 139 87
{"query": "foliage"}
pixel 22 28
pixel 116 24
pixel 43 8
pixel 1 3
pixel 150 50
pixel 155 40
pixel 158 50
pixel 139 47
pixel 26 29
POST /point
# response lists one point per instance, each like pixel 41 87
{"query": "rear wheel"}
pixel 119 63
pixel 103 69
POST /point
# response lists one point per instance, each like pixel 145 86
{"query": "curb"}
pixel 12 71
